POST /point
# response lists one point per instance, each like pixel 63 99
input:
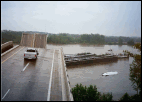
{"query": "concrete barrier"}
pixel 6 46
pixel 67 82
pixel 9 50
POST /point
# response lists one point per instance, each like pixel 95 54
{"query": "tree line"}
pixel 11 36
pixel 65 38
pixel 91 39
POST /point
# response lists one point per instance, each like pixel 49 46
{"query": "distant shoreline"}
pixel 74 43
pixel 65 38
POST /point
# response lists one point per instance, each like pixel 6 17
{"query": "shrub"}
pixel 136 97
pixel 125 97
pixel 105 97
pixel 83 93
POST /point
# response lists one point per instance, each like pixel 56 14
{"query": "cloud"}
pixel 105 17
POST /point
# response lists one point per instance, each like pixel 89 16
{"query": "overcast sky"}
pixel 110 18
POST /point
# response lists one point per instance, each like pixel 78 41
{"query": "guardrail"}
pixel 66 77
pixel 6 46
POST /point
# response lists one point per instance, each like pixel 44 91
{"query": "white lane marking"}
pixel 25 66
pixel 6 93
pixel 48 97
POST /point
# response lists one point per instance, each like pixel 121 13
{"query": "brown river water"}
pixel 92 74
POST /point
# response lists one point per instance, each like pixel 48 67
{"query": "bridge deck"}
pixel 28 80
pixel 56 89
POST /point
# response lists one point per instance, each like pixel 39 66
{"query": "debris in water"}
pixel 109 73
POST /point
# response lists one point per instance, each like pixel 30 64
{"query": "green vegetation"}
pixel 92 39
pixel 65 38
pixel 82 39
pixel 130 42
pixel 11 36
pixel 120 41
pixel 110 43
pixel 126 97
pixel 88 39
pixel 15 36
pixel 135 75
pixel 115 39
pixel 83 93
pixel 60 39
pixel 135 68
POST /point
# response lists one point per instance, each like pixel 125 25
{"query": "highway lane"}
pixel 56 90
pixel 4 57
pixel 30 84
pixel 11 68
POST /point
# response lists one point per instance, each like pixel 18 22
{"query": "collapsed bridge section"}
pixel 34 40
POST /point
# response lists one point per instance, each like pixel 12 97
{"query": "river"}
pixel 92 74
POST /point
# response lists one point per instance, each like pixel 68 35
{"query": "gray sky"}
pixel 110 18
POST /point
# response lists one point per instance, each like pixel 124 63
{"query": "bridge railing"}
pixel 67 82
pixel 6 46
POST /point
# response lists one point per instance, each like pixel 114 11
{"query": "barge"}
pixel 87 58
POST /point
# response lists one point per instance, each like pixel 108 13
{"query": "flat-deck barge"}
pixel 72 59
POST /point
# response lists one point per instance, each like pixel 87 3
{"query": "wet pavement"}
pixel 56 89
pixel 28 80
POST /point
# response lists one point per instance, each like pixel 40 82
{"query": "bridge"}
pixel 44 79
pixel 34 40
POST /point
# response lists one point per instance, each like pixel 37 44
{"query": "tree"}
pixel 135 69
pixel 81 93
pixel 135 75
pixel 130 42
pixel 110 43
pixel 120 41
pixel 125 97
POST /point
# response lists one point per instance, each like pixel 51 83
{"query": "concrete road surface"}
pixel 28 80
